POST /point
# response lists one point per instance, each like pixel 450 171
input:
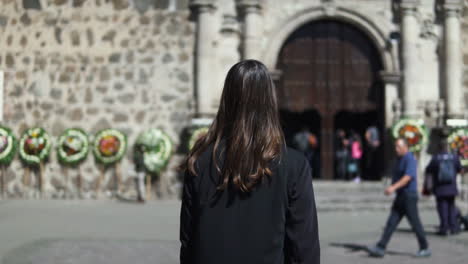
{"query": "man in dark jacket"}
pixel 404 183
pixel 443 168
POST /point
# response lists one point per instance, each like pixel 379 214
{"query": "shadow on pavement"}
pixel 409 230
pixel 365 248
pixel 124 199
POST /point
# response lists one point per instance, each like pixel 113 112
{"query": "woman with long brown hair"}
pixel 247 198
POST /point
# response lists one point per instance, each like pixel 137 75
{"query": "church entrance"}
pixel 329 80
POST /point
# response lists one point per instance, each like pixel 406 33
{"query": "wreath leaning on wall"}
pixel 196 135
pixel 73 147
pixel 34 146
pixel 109 146
pixel 157 147
pixel 8 145
pixel 458 142
pixel 414 131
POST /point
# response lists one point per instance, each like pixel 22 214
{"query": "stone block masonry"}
pixel 95 64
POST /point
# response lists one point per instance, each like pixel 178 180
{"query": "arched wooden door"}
pixel 330 67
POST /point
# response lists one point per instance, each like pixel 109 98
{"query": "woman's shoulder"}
pixel 292 158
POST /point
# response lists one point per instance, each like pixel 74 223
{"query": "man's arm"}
pixel 405 180
pixel 410 173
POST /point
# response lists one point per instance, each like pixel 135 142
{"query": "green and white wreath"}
pixel 414 131
pixel 158 149
pixel 109 146
pixel 196 135
pixel 7 145
pixel 73 147
pixel 34 146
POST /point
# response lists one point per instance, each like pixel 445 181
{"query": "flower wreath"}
pixel 196 135
pixel 73 147
pixel 458 141
pixel 35 145
pixel 109 146
pixel 7 145
pixel 158 149
pixel 414 131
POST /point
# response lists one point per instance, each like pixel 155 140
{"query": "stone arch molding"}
pixel 375 33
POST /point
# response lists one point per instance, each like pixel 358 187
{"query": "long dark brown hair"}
pixel 248 121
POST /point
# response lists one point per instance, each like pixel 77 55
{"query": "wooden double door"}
pixel 329 79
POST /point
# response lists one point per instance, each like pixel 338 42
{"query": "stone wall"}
pixel 95 64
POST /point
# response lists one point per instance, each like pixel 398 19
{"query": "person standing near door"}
pixel 443 168
pixel 372 139
pixel 404 184
pixel 313 155
pixel 354 165
pixel 341 154
pixel 301 140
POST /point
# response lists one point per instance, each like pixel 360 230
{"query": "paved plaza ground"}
pixel 105 232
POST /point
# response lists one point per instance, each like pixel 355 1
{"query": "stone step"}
pixel 364 196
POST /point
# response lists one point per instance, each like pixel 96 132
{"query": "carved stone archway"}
pixel 379 35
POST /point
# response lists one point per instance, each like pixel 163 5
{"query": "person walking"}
pixel 247 197
pixel 443 168
pixel 404 183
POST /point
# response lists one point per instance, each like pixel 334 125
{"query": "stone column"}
pixel 452 78
pixel 203 11
pixel 391 82
pixel 250 11
pixel 1 97
pixel 409 37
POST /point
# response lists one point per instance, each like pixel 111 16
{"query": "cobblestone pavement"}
pixel 104 232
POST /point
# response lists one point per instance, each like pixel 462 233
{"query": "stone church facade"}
pixel 135 64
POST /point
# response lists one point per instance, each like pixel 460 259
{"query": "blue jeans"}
pixel 405 204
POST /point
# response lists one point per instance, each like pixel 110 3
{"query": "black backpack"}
pixel 447 170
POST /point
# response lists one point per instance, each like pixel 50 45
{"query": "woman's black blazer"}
pixel 275 224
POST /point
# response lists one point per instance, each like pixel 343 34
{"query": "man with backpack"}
pixel 443 168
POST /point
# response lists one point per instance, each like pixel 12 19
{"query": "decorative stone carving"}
pixel 229 25
pixel 428 30
pixel 397 110
pixel 329 8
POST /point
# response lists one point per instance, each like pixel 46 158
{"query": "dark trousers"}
pixel 447 213
pixel 405 204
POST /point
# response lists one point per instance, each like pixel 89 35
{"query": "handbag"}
pixel 428 185
pixel 352 167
